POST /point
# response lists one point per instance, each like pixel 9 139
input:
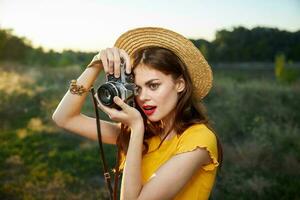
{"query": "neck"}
pixel 170 135
pixel 168 128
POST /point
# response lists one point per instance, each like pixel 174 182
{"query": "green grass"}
pixel 256 118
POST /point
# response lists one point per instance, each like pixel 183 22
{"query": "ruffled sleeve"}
pixel 199 136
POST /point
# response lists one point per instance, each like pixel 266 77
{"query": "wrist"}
pixel 138 128
pixel 95 67
pixel 96 63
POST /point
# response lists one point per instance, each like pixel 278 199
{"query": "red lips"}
pixel 149 110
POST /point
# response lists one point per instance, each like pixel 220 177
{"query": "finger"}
pixel 103 58
pixel 127 59
pixel 108 110
pixel 116 54
pixel 103 107
pixel 110 58
pixel 112 113
pixel 121 103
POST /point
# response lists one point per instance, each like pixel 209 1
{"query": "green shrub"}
pixel 283 74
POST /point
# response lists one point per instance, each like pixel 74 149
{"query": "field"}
pixel 256 118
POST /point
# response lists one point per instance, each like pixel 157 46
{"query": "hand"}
pixel 128 115
pixel 110 60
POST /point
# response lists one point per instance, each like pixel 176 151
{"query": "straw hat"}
pixel 198 68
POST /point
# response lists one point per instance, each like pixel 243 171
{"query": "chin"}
pixel 154 118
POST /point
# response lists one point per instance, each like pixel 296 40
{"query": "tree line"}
pixel 260 44
pixel 20 50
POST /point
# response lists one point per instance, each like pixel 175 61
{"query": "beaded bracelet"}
pixel 77 89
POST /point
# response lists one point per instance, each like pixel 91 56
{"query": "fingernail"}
pixel 116 98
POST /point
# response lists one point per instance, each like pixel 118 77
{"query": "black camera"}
pixel 123 87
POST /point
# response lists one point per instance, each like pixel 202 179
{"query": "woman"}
pixel 168 149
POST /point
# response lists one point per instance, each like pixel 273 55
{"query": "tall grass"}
pixel 256 118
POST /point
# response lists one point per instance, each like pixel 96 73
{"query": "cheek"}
pixel 138 102
pixel 166 98
pixel 163 94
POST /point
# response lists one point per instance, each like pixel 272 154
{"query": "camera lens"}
pixel 106 93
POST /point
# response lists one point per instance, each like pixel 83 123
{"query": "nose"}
pixel 143 96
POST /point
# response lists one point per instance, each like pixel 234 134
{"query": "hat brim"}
pixel 198 68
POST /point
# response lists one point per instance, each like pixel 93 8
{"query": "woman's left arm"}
pixel 169 179
pixel 132 179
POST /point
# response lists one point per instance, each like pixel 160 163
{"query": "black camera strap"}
pixel 101 151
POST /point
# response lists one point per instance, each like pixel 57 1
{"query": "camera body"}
pixel 123 87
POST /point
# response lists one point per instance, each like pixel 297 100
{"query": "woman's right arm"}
pixel 68 113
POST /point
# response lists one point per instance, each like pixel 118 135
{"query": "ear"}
pixel 180 84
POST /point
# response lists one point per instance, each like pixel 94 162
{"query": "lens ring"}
pixel 107 92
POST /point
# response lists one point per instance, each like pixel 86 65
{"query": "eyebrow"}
pixel 150 81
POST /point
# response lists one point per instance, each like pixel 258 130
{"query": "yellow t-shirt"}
pixel 200 185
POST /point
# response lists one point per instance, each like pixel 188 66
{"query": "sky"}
pixel 92 25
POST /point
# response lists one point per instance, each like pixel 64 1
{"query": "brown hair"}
pixel 188 110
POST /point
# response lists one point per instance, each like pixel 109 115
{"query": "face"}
pixel 157 92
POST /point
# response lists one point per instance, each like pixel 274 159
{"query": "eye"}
pixel 153 86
